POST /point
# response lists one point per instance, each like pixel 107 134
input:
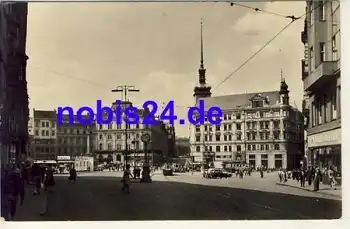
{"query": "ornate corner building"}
pixel 14 111
pixel 322 84
pixel 261 129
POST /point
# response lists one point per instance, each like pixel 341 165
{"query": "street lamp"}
pixel 125 89
pixel 146 178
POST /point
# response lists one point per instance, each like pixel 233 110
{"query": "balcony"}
pixel 304 69
pixel 303 37
pixel 322 72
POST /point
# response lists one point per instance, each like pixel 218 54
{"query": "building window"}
pixel 42 124
pixel 335 46
pixel 253 147
pixel 225 148
pixel 239 137
pixel 266 147
pixel 109 146
pixel 43 133
pixel 312 58
pixel 119 126
pixel 322 10
pixel 100 137
pixel 239 148
pixel 276 146
pixel 109 126
pixel 217 148
pixel 238 126
pixel 257 104
pixel 249 147
pixel 198 128
pixel 109 136
pixel 322 52
pixel 119 147
pixel 100 146
pixel 198 148
pixel 238 116
pixel 217 137
pixel 230 148
pixel 119 136
pixel 36 133
pixel 101 127
pixel 53 133
pixel 262 147
pixel 198 138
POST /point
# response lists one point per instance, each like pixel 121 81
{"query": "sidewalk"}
pixel 32 205
pixel 324 189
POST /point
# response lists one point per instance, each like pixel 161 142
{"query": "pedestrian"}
pixel 49 183
pixel 72 175
pixel 318 177
pixel 331 177
pixel 12 187
pixel 302 178
pixel 261 173
pixel 36 174
pixel 126 179
pixel 309 176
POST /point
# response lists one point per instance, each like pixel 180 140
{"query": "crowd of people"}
pixel 14 178
pixel 312 175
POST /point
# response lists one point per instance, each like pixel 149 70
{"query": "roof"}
pixel 229 102
pixel 40 114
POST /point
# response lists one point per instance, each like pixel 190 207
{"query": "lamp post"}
pixel 125 89
pixel 146 178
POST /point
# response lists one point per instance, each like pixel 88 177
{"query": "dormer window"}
pixel 256 104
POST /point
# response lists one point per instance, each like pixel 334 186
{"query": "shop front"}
pixel 325 149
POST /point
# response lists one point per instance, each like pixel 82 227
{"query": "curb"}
pixel 308 190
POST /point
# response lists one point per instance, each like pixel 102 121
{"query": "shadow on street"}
pixel 101 198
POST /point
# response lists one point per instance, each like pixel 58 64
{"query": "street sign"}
pixel 145 138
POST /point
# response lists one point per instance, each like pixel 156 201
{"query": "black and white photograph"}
pixel 154 111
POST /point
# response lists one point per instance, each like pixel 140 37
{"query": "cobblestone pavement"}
pixel 180 197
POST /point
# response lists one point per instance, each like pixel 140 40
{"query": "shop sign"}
pixel 63 158
pixel 332 137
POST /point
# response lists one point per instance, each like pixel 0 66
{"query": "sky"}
pixel 79 52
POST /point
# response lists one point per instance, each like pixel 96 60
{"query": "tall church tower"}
pixel 284 92
pixel 202 90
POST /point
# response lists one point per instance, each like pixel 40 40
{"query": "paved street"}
pixel 97 196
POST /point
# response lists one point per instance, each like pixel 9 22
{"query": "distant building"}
pixel 30 136
pixel 14 110
pixel 122 143
pixel 322 82
pixel 260 128
pixel 182 147
pixel 52 140
pixel 45 135
pixel 75 139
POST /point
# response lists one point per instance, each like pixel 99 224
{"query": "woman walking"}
pixel 126 179
pixel 49 182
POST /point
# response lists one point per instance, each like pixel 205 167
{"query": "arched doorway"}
pixel 119 157
pixel 109 158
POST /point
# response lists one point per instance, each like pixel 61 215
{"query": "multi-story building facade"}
pixel 45 135
pixel 75 139
pixel 68 139
pixel 30 136
pixel 122 142
pixel 261 129
pixel 321 78
pixel 14 110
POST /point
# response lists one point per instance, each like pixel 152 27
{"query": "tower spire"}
pixel 202 57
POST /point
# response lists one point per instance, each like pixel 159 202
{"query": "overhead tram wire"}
pixel 293 18
pixel 259 10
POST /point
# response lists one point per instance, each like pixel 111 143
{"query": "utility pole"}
pixel 124 89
